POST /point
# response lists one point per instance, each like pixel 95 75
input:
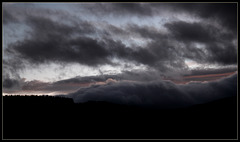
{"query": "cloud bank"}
pixel 161 94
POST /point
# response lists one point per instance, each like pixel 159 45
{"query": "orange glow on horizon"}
pixel 210 75
pixel 206 78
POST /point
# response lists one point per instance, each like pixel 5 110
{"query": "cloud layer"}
pixel 77 40
pixel 162 40
pixel 162 94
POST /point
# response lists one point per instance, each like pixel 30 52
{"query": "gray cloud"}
pixel 117 9
pixel 225 13
pixel 51 42
pixel 213 71
pixel 218 48
pixel 87 79
pixel 191 32
pixel 8 17
pixel 133 75
pixel 158 93
pixel 53 35
pixel 223 54
pixel 74 40
pixel 10 83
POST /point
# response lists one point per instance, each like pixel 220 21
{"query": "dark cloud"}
pixel 160 54
pixel 74 40
pixel 13 66
pixel 51 42
pixel 8 17
pixel 225 54
pixel 118 9
pixel 46 26
pixel 213 90
pixel 218 46
pixel 10 83
pixel 158 93
pixel 226 13
pixel 129 8
pixel 223 13
pixel 146 32
pixel 191 32
pixel 11 79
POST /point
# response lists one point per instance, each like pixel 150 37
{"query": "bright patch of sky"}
pixel 195 65
pixel 54 72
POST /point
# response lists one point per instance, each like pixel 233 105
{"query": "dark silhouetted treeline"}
pixel 45 117
pixel 34 99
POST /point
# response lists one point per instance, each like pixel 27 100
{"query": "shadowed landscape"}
pixel 46 117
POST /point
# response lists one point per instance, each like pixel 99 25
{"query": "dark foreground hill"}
pixel 45 117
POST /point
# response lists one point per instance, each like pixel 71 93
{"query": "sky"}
pixel 166 54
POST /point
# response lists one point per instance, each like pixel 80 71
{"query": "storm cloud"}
pixel 54 41
pixel 162 94
pixel 10 83
pixel 141 44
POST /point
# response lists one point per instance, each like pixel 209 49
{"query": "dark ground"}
pixel 59 118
